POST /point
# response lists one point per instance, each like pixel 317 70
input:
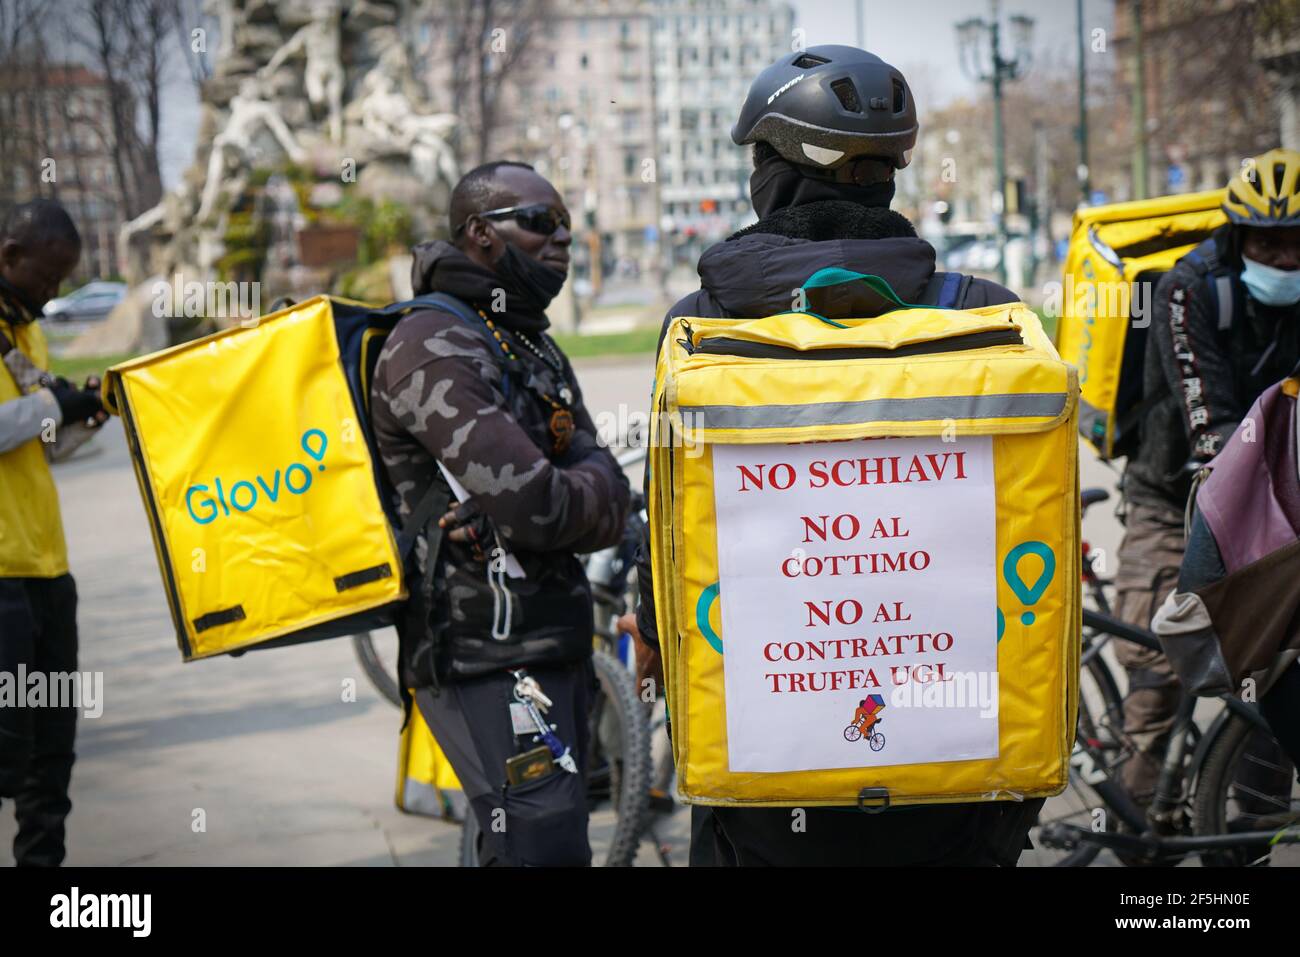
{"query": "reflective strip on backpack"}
pixel 928 408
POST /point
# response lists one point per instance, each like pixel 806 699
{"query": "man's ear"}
pixel 479 233
pixel 10 252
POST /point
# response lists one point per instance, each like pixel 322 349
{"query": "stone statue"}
pixel 248 112
pixel 390 118
pixel 320 41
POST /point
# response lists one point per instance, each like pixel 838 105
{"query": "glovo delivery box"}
pixel 865 547
pixel 426 782
pixel 252 450
pixel 1116 256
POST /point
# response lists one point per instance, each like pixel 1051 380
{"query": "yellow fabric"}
pixel 31 529
pixel 1110 248
pixel 425 778
pixel 257 479
pixel 1036 493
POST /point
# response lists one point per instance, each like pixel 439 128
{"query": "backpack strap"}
pixel 835 275
pixel 433 502
pixel 1218 281
pixel 947 290
pixel 443 302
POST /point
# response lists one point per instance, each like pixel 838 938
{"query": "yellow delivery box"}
pixel 1116 257
pixel 253 452
pixel 865 556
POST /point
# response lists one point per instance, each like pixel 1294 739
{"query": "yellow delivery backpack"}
pixel 426 782
pixel 264 493
pixel 1117 254
pixel 865 548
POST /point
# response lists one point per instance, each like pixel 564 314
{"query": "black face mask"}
pixel 531 285
pixel 779 184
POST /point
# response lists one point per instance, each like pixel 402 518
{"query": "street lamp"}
pixel 979 49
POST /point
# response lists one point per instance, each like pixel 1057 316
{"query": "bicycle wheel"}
pixel 1097 748
pixel 618 770
pixel 877 741
pixel 380 666
pixel 852 733
pixel 1246 784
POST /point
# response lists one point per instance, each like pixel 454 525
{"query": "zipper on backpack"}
pixel 745 348
pixel 688 342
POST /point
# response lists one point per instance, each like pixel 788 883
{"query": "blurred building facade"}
pixel 1215 83
pixel 707 53
pixel 627 106
pixel 58 147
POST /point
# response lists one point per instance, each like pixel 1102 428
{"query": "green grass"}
pixel 1049 324
pixel 639 341
pixel 76 370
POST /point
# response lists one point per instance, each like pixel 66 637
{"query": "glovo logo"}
pixel 1029 594
pixel 703 606
pixel 207 503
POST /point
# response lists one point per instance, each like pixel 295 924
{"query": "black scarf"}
pixel 831 219
pixel 528 286
pixel 15 308
pixel 777 184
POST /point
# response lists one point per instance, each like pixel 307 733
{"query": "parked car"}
pixel 95 300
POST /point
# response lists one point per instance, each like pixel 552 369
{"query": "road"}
pixel 262 750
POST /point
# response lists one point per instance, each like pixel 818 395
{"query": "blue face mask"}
pixel 1272 287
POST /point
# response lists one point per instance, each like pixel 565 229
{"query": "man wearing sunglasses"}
pixel 477 392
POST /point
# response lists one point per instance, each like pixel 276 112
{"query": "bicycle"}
pixel 1201 778
pixel 875 740
pixel 1226 793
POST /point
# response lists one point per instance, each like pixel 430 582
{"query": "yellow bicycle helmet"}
pixel 1267 191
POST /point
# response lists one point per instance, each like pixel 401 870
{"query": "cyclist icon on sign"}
pixel 865 719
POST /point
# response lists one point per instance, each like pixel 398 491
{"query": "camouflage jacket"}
pixel 441 395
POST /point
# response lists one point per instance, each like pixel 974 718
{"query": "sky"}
pixel 917 36
pixel 920 37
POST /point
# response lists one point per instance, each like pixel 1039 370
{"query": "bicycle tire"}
pixel 1209 805
pixel 629 777
pixel 384 683
pixel 631 783
pixel 1112 703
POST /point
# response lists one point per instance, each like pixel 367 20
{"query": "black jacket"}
pixel 1201 381
pixel 441 394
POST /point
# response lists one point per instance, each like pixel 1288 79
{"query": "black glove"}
pixel 77 405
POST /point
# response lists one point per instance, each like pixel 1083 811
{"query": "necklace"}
pixel 561 422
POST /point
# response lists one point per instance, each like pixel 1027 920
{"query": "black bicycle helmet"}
pixel 829 104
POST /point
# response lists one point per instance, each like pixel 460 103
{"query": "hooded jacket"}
pixel 441 394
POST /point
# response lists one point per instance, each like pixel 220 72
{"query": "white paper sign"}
pixel 854 575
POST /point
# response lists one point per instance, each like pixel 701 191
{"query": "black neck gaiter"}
pixel 528 285
pixel 778 184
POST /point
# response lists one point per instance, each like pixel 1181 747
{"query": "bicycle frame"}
pixel 1176 771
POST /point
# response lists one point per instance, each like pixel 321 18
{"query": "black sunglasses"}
pixel 538 218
